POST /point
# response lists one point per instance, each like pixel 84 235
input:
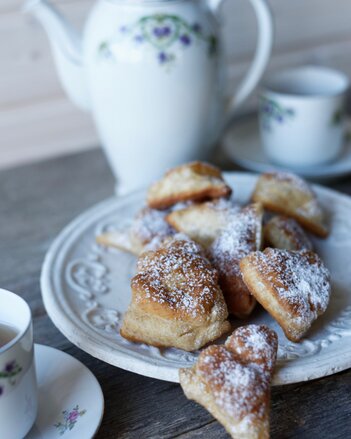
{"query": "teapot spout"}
pixel 66 45
pixel 214 5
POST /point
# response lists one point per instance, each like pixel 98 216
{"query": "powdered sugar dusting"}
pixel 150 224
pixel 287 177
pixel 293 232
pixel 224 204
pixel 257 344
pixel 177 274
pixel 300 279
pixel 241 236
pixel 240 389
pixel 309 206
pixel 310 209
pixel 238 375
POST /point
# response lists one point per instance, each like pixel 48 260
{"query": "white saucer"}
pixel 66 389
pixel 242 145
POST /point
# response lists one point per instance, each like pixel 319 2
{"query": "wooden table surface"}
pixel 36 202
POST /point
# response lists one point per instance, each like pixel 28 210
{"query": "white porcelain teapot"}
pixel 151 73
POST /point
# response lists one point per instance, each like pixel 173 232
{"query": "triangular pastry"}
pixel 294 287
pixel 285 233
pixel 292 196
pixel 148 229
pixel 194 181
pixel 241 235
pixel 202 222
pixel 233 381
pixel 176 299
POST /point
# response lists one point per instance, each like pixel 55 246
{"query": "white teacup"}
pixel 302 116
pixel 18 386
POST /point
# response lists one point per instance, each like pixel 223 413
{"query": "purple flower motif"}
pixel 162 32
pixel 72 417
pixel 138 38
pixel 9 373
pixel 196 28
pixel 162 57
pixel 69 420
pixel 271 112
pixel 185 39
pixel 9 367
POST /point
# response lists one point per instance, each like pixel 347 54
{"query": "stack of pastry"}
pixel 202 257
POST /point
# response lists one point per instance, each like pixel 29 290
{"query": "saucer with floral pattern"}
pixel 71 403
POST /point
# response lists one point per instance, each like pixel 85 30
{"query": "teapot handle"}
pixel 261 58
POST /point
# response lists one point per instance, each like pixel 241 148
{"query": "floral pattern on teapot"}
pixel 166 34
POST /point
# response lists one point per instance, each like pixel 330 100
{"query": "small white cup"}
pixel 18 385
pixel 302 116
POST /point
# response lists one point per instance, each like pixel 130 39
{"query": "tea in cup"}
pixel 7 334
pixel 18 386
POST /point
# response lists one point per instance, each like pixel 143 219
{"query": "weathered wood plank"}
pixel 8 6
pixel 27 72
pixel 44 129
pixel 36 202
pixel 297 24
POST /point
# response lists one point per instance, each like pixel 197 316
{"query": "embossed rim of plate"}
pixel 96 344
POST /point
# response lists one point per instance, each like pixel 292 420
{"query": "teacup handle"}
pixel 261 58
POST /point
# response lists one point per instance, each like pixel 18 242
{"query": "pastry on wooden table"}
pixel 194 181
pixel 176 299
pixel 241 236
pixel 202 222
pixel 285 233
pixel 292 196
pixel 233 381
pixel 294 287
pixel 148 229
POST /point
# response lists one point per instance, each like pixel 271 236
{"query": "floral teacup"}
pixel 302 116
pixel 18 387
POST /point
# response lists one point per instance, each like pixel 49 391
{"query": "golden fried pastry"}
pixel 202 222
pixel 290 195
pixel 176 299
pixel 233 381
pixel 118 239
pixel 285 233
pixel 195 181
pixel 294 287
pixel 148 229
pixel 242 235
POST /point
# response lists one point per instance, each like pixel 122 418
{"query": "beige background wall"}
pixel 37 120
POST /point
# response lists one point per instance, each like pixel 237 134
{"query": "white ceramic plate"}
pixel 71 403
pixel 243 146
pixel 86 290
